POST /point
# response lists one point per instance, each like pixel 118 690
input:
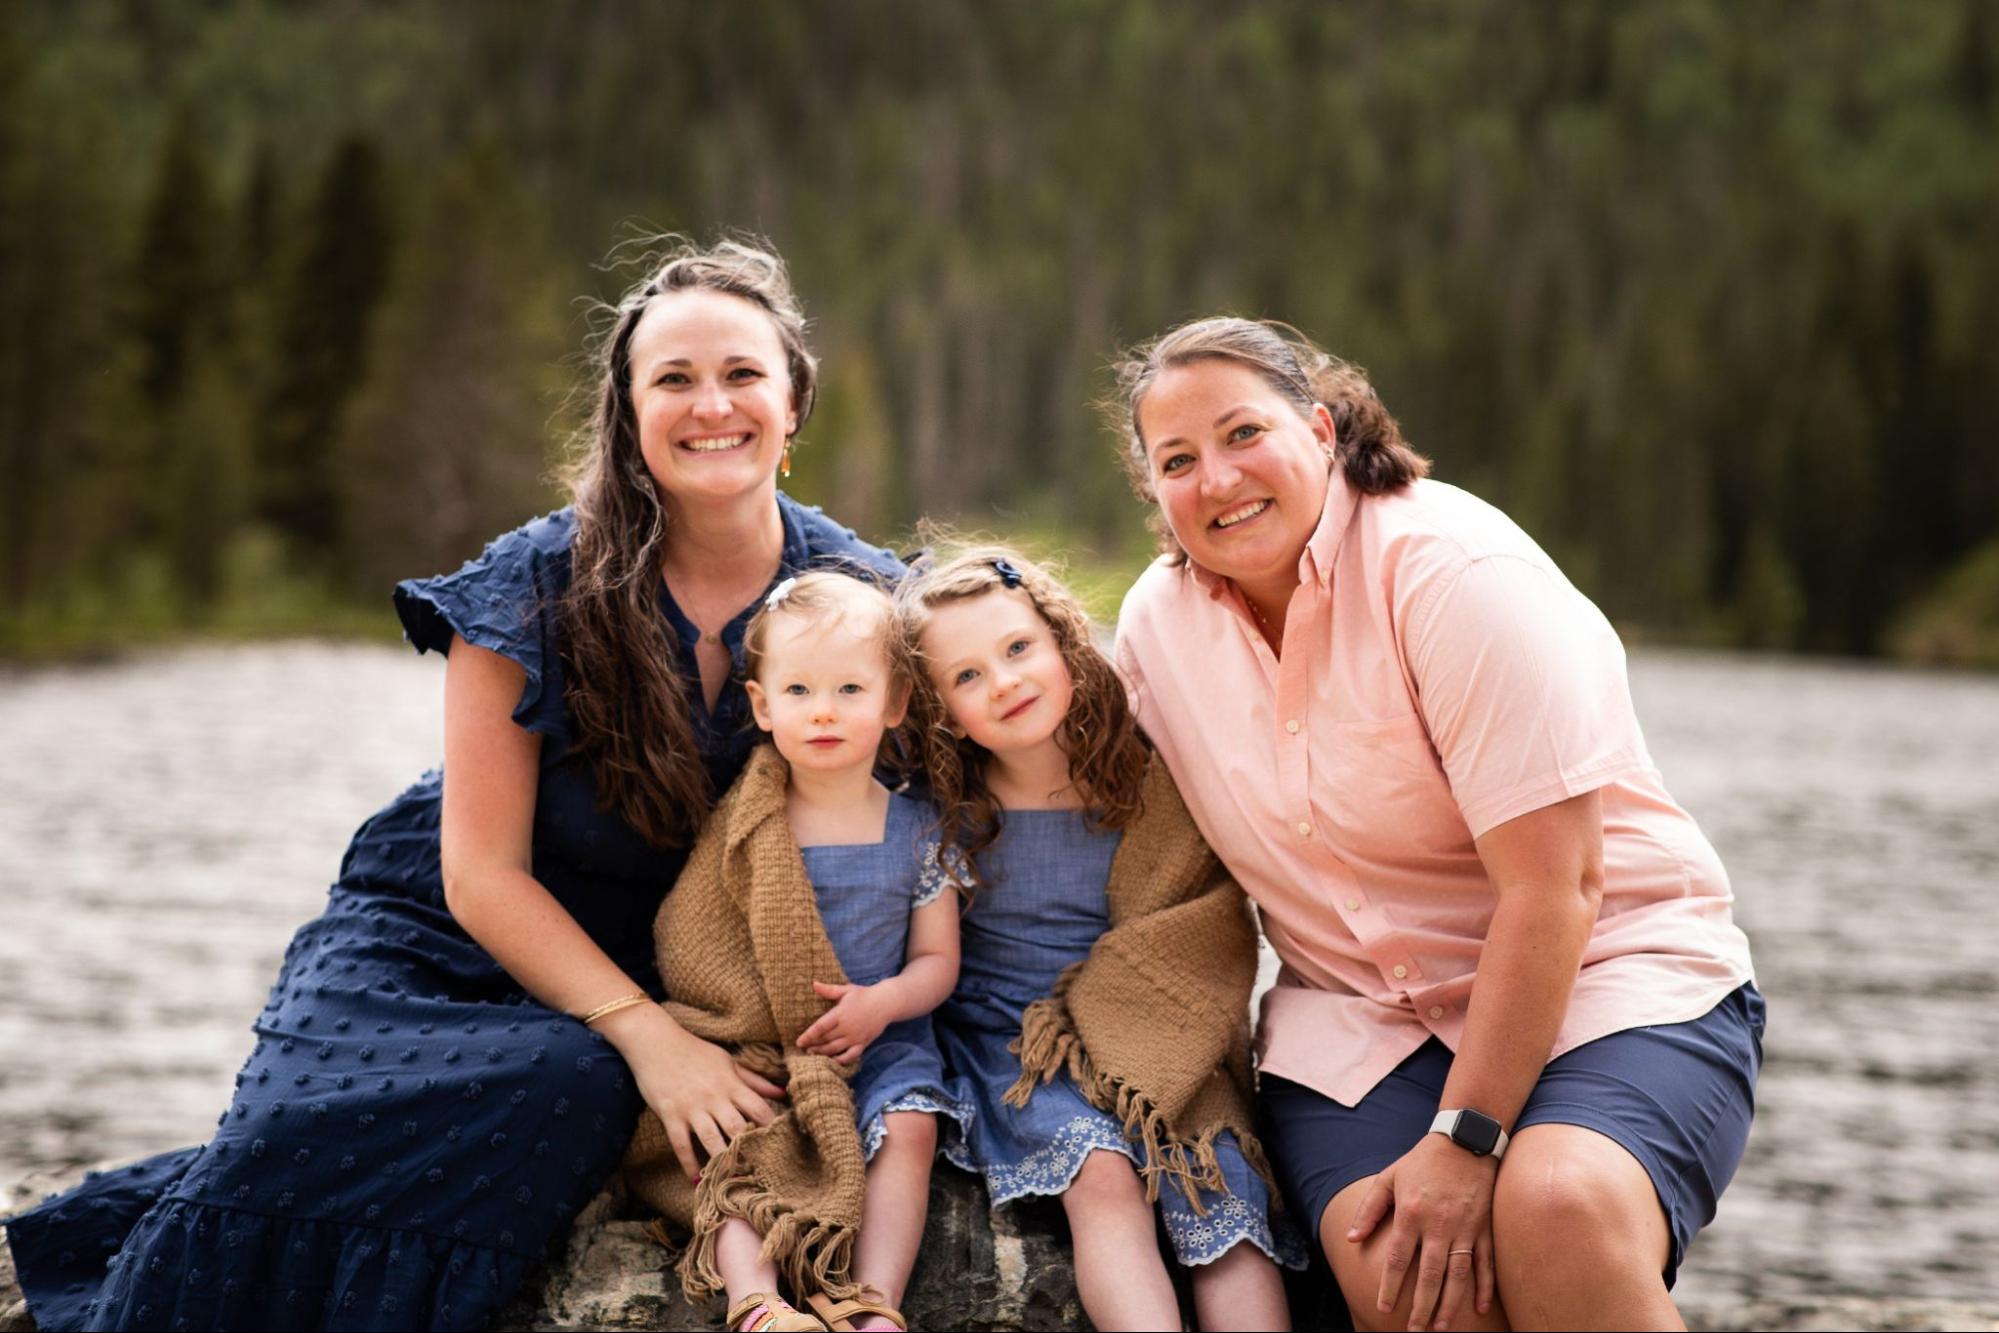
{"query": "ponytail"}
pixel 1368 441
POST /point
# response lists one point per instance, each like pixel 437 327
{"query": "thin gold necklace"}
pixel 703 634
pixel 1255 610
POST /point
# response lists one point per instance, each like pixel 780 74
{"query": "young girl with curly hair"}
pixel 1099 1028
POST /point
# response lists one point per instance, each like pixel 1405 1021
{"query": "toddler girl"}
pixel 813 883
pixel 1099 1028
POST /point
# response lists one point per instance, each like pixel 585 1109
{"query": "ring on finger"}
pixel 1448 1253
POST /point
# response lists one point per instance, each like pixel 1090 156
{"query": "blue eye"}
pixel 1017 647
pixel 963 676
pixel 745 373
pixel 795 688
pixel 850 688
pixel 1244 432
pixel 1173 464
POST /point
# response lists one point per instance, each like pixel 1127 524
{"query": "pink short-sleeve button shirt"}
pixel 1439 677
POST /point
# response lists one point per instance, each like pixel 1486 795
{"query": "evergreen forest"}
pixel 1705 293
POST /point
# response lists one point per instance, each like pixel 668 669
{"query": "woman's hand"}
pixel 858 1015
pixel 698 1091
pixel 1440 1197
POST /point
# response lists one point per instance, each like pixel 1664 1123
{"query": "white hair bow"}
pixel 776 596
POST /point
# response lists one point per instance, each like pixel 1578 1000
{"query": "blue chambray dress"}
pixel 865 893
pixel 1044 904
pixel 411 1130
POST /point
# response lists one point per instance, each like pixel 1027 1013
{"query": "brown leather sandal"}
pixel 839 1315
pixel 780 1316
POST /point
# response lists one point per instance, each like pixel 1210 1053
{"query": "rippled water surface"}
pixel 166 822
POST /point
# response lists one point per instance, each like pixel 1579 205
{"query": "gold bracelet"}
pixel 623 1002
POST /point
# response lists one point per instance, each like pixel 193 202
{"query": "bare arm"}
pixel 929 971
pixel 1546 869
pixel 487 842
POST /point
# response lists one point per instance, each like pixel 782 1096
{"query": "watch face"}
pixel 1476 1133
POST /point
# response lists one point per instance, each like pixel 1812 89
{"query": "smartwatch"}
pixel 1478 1134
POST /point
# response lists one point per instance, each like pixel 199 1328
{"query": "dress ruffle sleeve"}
pixel 505 600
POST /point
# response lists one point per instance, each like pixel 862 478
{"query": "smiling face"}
pixel 1240 473
pixel 711 393
pixel 824 690
pixel 995 664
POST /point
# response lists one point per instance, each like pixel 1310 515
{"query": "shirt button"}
pixel 1292 726
pixel 1436 1011
pixel 1304 829
pixel 1400 971
pixel 1353 904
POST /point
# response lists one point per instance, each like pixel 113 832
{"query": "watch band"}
pixel 1471 1136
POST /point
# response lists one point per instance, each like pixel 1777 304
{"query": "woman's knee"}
pixel 1356 1268
pixel 1576 1193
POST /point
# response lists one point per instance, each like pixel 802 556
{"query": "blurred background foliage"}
pixel 1704 293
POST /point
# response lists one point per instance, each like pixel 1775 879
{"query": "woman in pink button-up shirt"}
pixel 1412 741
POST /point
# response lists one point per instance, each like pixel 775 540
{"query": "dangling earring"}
pixel 784 461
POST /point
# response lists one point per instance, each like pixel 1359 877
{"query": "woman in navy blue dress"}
pixel 455 1054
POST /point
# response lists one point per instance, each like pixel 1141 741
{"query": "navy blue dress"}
pixel 411 1129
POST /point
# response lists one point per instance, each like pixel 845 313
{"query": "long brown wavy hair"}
pixel 624 687
pixel 1368 443
pixel 1107 753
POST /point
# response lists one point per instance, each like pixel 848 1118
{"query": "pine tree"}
pixel 449 443
pixel 188 469
pixel 326 304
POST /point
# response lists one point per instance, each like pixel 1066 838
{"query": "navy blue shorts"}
pixel 1678 1098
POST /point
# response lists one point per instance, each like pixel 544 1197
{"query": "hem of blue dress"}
pixel 361 1242
pixel 936 1103
pixel 1246 1223
pixel 1052 1170
pixel 1049 1170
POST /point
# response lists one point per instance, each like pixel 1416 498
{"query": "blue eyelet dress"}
pixel 1044 904
pixel 865 893
pixel 411 1130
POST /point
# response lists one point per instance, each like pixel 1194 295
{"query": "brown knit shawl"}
pixel 1154 1024
pixel 740 942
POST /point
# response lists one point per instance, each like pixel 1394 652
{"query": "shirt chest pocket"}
pixel 1378 786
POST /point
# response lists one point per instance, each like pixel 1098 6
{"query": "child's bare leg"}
pixel 1120 1275
pixel 739 1256
pixel 894 1208
pixel 1242 1289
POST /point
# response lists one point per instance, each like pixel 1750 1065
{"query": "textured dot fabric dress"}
pixel 1044 904
pixel 411 1130
pixel 865 893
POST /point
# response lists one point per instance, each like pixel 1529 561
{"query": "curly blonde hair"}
pixel 1107 753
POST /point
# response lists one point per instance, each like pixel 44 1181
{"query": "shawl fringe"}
pixel 1048 1045
pixel 812 1254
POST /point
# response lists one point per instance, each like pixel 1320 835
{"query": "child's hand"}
pixel 858 1015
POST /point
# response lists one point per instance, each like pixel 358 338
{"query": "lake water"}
pixel 166 822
